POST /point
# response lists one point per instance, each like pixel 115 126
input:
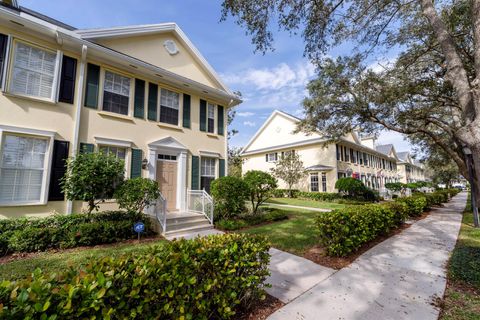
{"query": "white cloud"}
pixel 249 123
pixel 245 114
pixel 280 76
pixel 382 64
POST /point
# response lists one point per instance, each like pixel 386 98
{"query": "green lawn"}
pixel 295 235
pixel 462 298
pixel 307 203
pixel 54 262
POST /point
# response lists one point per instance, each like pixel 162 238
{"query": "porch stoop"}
pixel 182 223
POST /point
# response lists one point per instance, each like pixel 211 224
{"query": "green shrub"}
pixel 260 187
pixel 284 193
pixel 137 193
pixel 267 215
pixel 416 205
pixel 92 177
pixel 350 186
pixel 206 278
pixel 67 231
pixel 230 194
pixel 319 196
pixel 344 231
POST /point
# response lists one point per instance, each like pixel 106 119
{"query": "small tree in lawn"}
pixel 260 186
pixel 290 169
pixel 92 177
pixel 137 193
pixel 350 186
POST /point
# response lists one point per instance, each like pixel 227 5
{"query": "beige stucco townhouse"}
pixel 409 169
pixel 144 93
pixel 325 163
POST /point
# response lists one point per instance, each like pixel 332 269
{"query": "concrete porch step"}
pixel 185 219
pixel 187 224
pixel 180 232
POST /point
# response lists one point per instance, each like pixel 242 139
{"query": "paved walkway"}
pixel 297 207
pixel 397 279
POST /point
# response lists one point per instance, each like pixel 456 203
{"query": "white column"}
pixel 152 163
pixel 182 180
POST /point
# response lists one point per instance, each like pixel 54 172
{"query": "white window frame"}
pixel 214 175
pixel 159 106
pixel 115 154
pixel 9 67
pixel 50 136
pixel 275 154
pixel 314 174
pixel 324 182
pixel 130 92
pixel 214 107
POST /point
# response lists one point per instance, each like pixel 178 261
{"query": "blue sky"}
pixel 272 81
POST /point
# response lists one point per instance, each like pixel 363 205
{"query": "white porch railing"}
pixel 160 211
pixel 200 202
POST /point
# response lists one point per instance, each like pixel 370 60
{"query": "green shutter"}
pixel 91 90
pixel 86 147
pixel 139 106
pixel 203 115
pixel 186 110
pixel 152 101
pixel 195 173
pixel 136 167
pixel 220 120
pixel 221 165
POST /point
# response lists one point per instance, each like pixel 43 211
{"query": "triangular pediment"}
pixel 167 143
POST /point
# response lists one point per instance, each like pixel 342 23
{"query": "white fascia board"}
pixel 284 146
pixel 264 125
pixel 117 32
pixel 113 142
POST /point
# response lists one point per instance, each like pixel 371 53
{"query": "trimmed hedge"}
pixel 267 215
pixel 320 196
pixel 68 231
pixel 284 193
pixel 344 231
pixel 206 278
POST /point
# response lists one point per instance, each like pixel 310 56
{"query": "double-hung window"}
pixel 169 106
pixel 314 182
pixel 34 71
pixel 118 152
pixel 23 168
pixel 324 182
pixel 210 118
pixel 207 173
pixel 116 93
pixel 272 157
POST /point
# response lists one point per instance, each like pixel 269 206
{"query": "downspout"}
pixel 78 113
pixel 225 130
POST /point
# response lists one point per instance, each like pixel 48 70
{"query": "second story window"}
pixel 271 157
pixel 33 72
pixel 210 118
pixel 116 93
pixel 169 106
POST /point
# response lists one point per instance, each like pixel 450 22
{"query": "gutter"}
pixel 78 112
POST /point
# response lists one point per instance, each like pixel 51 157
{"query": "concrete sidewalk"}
pixel 397 279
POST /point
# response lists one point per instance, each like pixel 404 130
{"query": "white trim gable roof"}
pixel 135 30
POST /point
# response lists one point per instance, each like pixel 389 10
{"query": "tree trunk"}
pixel 474 180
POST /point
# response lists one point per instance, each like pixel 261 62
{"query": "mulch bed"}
pixel 28 255
pixel 261 310
pixel 318 255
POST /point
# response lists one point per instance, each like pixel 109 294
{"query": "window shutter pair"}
pixel 92 87
pixel 203 115
pixel 86 147
pixel 67 80
pixel 195 173
pixel 221 168
pixel 136 165
pixel 58 169
pixel 186 110
pixel 152 101
pixel 139 101
pixel 220 120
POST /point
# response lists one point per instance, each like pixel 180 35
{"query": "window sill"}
pixel 169 126
pixel 115 116
pixel 213 136
pixel 31 98
pixel 22 204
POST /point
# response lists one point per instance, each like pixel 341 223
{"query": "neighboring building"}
pixel 409 169
pixel 325 163
pixel 144 93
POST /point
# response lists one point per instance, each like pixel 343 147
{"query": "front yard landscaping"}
pixel 462 297
pixel 306 203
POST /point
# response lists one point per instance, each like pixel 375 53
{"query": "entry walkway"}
pixel 398 279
